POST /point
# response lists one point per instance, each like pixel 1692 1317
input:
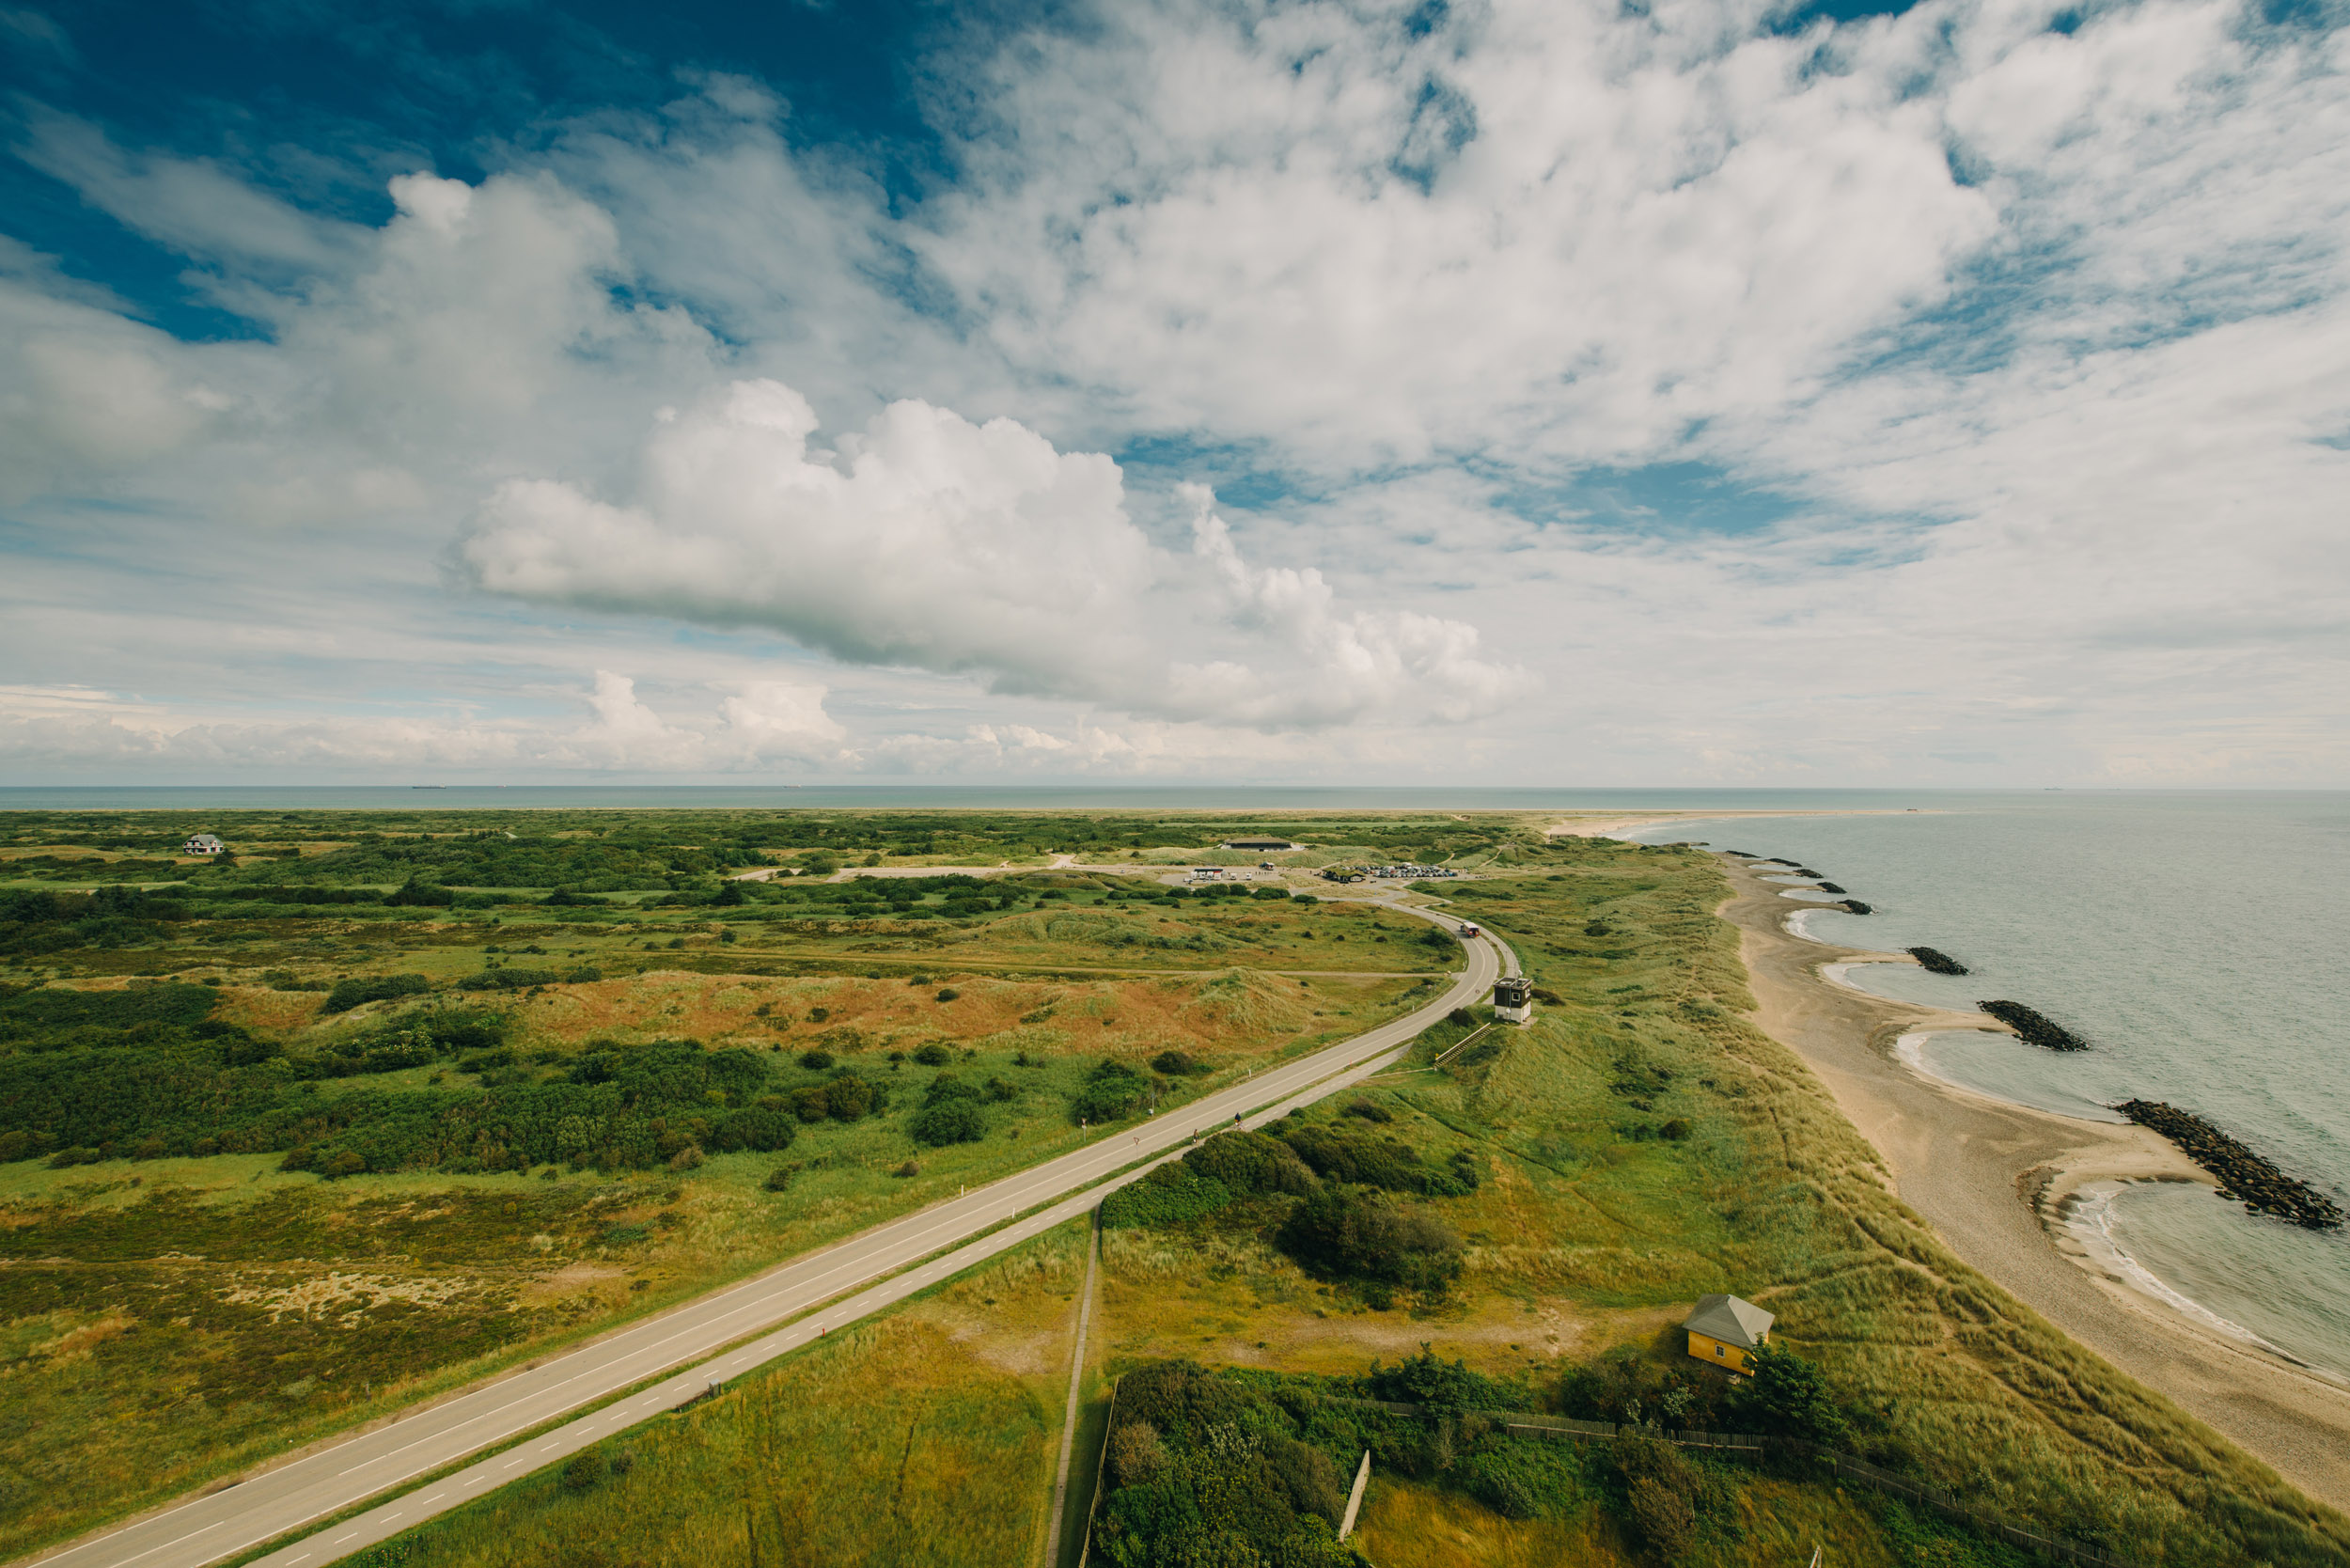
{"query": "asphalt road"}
pixel 273 1502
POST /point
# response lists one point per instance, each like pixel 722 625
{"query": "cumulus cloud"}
pixel 929 542
pixel 2032 336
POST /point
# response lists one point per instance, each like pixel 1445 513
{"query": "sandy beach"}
pixel 2001 1181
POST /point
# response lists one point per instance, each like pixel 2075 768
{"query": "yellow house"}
pixel 1727 1331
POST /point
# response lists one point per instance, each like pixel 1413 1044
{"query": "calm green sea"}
pixel 2201 942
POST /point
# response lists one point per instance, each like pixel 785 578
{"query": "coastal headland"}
pixel 1999 1180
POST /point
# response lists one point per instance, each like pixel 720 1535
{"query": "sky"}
pixel 1526 392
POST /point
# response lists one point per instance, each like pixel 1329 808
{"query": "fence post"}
pixel 1355 1497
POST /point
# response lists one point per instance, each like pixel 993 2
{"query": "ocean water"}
pixel 2200 942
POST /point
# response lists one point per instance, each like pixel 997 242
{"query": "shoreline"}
pixel 1615 824
pixel 2017 1191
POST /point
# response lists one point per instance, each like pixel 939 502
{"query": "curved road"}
pixel 275 1502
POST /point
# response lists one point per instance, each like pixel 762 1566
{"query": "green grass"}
pixel 926 1436
pixel 196 1316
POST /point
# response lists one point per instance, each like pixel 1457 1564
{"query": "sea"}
pixel 2200 941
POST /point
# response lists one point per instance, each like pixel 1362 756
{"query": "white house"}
pixel 203 843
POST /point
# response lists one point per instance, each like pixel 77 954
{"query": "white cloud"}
pixel 929 542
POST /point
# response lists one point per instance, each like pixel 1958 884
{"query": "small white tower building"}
pixel 1513 999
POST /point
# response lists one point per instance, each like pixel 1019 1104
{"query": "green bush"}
pixel 933 1055
pixel 359 991
pixel 1350 1234
pixel 1250 1162
pixel 1169 1194
pixel 953 1121
pixel 1371 1159
pixel 1111 1092
pixel 1787 1396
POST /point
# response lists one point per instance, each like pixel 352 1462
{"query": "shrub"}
pixel 1369 1111
pixel 1167 1195
pixel 1664 1518
pixel 1341 1154
pixel 1111 1092
pixel 1136 1454
pixel 950 1121
pixel 1462 1017
pixel 1177 1065
pixel 582 1471
pixel 1250 1162
pixel 1428 1379
pixel 357 992
pixel 816 1061
pixel 948 993
pixel 779 1179
pixel 933 1055
pixel 1788 1396
pixel 421 894
pixel 1355 1235
pixel 688 1158
pixel 909 1168
pixel 849 1098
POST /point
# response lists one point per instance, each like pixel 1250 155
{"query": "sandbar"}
pixel 2007 1185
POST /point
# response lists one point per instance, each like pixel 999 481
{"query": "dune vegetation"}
pixel 1511 1218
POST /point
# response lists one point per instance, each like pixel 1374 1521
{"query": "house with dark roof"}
pixel 1727 1331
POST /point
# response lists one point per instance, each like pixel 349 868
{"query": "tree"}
pixel 1788 1396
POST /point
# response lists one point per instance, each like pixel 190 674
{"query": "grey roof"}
pixel 1729 1320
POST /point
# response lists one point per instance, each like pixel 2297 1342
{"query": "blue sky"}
pixel 1505 393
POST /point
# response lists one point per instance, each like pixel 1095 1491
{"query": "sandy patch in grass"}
pixel 345 1294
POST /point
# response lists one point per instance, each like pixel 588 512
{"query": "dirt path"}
pixel 1991 1177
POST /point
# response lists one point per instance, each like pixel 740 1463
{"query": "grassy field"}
pixel 195 1313
pixel 924 1437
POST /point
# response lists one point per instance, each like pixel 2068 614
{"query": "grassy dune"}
pixel 1645 1144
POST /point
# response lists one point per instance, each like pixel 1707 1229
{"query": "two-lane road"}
pixel 273 1502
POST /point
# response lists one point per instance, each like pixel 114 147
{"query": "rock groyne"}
pixel 1933 960
pixel 2036 1028
pixel 1829 887
pixel 1854 906
pixel 2244 1176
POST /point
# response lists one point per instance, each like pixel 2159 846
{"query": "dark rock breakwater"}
pixel 1933 960
pixel 2036 1028
pixel 2244 1176
pixel 1829 887
pixel 1854 906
